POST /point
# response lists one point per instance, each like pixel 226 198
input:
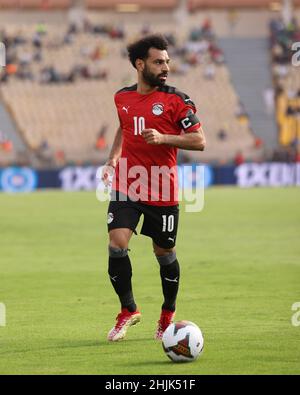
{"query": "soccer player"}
pixel 155 120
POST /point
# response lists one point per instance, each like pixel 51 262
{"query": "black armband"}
pixel 190 120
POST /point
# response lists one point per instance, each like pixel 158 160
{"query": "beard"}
pixel 152 79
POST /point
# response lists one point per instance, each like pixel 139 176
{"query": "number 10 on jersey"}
pixel 139 125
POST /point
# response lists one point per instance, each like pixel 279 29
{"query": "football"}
pixel 183 341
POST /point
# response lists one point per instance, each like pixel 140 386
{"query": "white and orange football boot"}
pixel 125 319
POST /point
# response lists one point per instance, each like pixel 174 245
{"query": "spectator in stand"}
pixel 216 53
pixel 240 111
pixel 146 29
pixel 37 40
pixel 232 18
pixel 96 53
pixel 222 134
pixel 206 26
pixel 258 142
pixel 25 73
pixel 6 145
pixel 101 138
pixel 239 158
pixel 60 158
pixel 11 69
pixel 117 32
pixel 290 111
pixel 41 29
pixel 171 39
pixel 44 152
pixel 296 143
pixel 269 99
pixel 4 75
pixel 50 75
pixel 210 71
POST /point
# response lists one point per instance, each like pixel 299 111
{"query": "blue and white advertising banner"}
pixel 77 178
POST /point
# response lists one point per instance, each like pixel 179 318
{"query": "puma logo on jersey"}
pixel 171 280
pixel 170 238
pixel 125 109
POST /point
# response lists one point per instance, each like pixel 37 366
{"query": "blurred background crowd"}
pixel 66 59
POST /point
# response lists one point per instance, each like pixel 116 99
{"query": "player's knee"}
pixel 119 239
pixel 118 242
pixel 159 251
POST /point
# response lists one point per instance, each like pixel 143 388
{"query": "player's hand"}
pixel 152 136
pixel 108 171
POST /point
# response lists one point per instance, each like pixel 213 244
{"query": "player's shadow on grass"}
pixel 53 344
pixel 77 344
pixel 96 343
pixel 134 340
pixel 69 344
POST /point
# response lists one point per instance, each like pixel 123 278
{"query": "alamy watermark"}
pixel 296 317
pixel 2 55
pixel 2 314
pixel 296 56
pixel 153 184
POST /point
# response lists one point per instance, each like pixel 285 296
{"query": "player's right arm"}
pixel 115 153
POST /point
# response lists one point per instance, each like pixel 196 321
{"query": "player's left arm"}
pixel 194 141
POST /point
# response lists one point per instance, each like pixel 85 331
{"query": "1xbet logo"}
pixel 296 56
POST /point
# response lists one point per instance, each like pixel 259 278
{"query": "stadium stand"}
pixel 59 85
pixel 61 77
pixel 7 154
pixel 36 4
pixel 286 79
pixel 197 4
pixel 134 5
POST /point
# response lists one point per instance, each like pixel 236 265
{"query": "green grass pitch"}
pixel 240 275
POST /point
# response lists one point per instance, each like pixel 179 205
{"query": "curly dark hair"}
pixel 140 48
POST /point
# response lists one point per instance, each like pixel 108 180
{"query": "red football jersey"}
pixel 145 172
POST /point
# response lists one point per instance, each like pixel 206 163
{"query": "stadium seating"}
pixel 36 4
pixel 69 115
pixel 286 83
pixel 140 4
pixel 6 156
pixel 196 4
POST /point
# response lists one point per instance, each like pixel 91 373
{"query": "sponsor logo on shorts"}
pixel 110 218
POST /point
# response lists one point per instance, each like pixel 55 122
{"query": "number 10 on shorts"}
pixel 168 223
